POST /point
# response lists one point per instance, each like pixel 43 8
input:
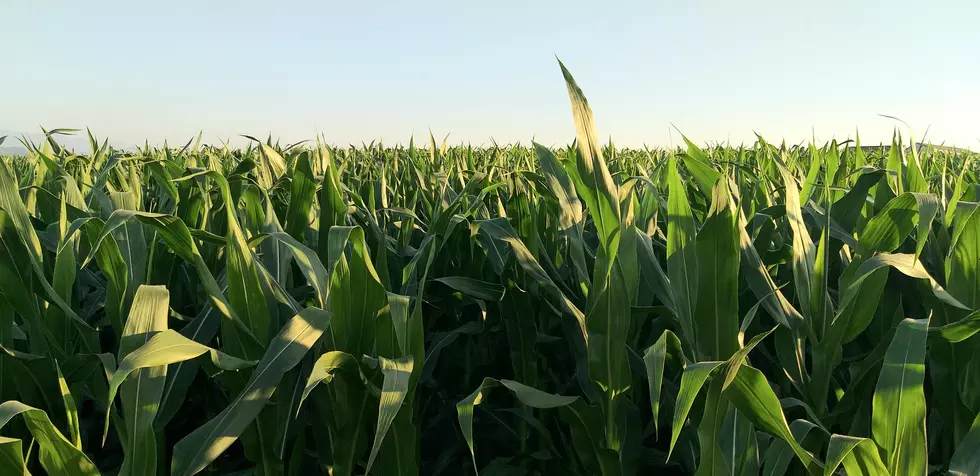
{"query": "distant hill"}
pixel 945 148
pixel 12 146
pixel 920 145
pixel 13 150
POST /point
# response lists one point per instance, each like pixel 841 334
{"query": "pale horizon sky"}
pixel 360 71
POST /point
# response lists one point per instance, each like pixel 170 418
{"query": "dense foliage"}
pixel 516 310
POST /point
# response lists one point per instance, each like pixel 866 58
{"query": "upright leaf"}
pixel 682 262
pixel 141 395
pixel 600 193
pixel 898 419
pixel 716 311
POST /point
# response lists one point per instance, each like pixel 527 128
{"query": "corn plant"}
pixel 398 310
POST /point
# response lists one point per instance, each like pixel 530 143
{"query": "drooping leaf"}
pixel 752 395
pixel 193 453
pixel 56 453
pixel 858 456
pixel 531 397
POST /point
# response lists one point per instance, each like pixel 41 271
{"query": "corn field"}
pixel 312 309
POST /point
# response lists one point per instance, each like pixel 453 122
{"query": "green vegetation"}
pixel 396 311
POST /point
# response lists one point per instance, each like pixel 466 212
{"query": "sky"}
pixel 717 71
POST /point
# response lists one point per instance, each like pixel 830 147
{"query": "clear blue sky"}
pixel 361 70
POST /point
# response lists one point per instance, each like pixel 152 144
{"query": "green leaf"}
pixel 652 271
pixel 163 179
pixel 326 368
pixel 260 216
pixel 333 208
pixel 193 453
pixel 71 409
pixel 963 261
pixel 858 455
pixel 349 427
pixel 735 362
pixel 699 164
pixel 966 458
pixel 780 454
pixel 811 176
pixel 682 259
pixel 531 397
pixel 113 267
pixel 886 230
pixel 474 287
pixel 65 272
pixel 958 190
pixel 588 439
pixel 898 420
pixel 716 310
pixel 762 284
pixel 399 452
pixel 309 263
pixel 847 210
pixel 16 213
pixel 804 253
pixel 141 395
pixel 916 181
pixel 752 395
pixel 894 164
pixel 179 378
pixel 356 293
pixel 178 238
pixel 904 263
pixel 270 167
pixel 397 374
pixel 11 203
pixel 715 407
pixel 131 242
pixel 655 358
pixel 301 196
pixel 57 454
pixel 740 444
pixel 608 311
pixel 600 193
pixel 960 330
pixel 165 348
pixel 855 315
pixel 758 278
pixel 12 457
pixel 498 229
pixel 692 380
pixel 245 294
pixel 173 231
pixel 821 307
pixel 16 284
pixel 571 218
pixel 521 335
